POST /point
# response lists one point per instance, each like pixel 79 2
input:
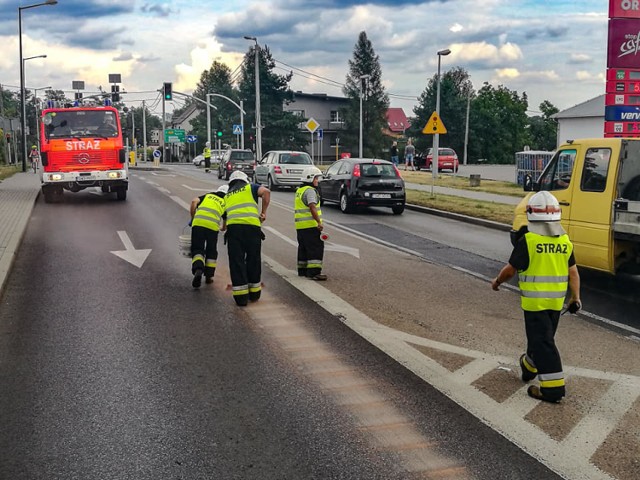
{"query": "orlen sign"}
pixel 624 8
pixel 624 43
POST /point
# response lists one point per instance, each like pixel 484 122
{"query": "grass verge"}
pixel 462 183
pixel 498 212
pixel 7 170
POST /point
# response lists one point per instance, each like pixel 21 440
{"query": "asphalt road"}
pixel 112 371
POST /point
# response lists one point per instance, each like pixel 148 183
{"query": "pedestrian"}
pixel 394 153
pixel 544 261
pixel 308 221
pixel 409 153
pixel 206 153
pixel 244 235
pixel 206 223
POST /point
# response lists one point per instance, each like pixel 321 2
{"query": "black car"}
pixel 233 160
pixel 356 182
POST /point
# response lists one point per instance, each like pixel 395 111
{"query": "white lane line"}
pixel 593 429
pixel 182 203
pixel 196 189
pixel 164 190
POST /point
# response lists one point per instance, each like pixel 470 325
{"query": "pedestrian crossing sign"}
pixel 237 129
pixel 434 125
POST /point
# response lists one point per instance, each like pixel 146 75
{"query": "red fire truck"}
pixel 81 147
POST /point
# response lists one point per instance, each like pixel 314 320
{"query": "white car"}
pixel 198 161
pixel 280 168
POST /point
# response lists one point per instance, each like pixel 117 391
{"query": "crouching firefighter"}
pixel 543 258
pixel 308 219
pixel 206 223
pixel 244 236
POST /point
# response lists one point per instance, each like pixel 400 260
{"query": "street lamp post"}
pixel 258 120
pixel 36 103
pixel 436 137
pixel 22 93
pixel 363 80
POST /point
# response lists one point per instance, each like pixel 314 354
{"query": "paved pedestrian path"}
pixel 17 198
pixel 475 195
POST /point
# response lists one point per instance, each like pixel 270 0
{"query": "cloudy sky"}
pixel 553 50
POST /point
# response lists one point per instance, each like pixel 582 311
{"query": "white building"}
pixel 585 120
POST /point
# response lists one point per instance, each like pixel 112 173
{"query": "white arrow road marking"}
pixel 196 189
pixel 130 254
pixel 182 203
pixel 328 246
pixel 164 190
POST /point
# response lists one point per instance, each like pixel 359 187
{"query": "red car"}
pixel 447 159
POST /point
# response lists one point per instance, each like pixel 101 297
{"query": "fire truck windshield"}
pixel 80 123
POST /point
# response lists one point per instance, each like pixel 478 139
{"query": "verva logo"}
pixel 624 9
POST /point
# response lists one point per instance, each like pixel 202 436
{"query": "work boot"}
pixel 208 280
pixel 534 392
pixel 197 279
pixel 320 277
pixel 527 375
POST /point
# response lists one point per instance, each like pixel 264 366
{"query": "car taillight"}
pixel 277 169
pixel 397 171
pixel 356 170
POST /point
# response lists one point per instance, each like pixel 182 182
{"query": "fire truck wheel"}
pixel 121 194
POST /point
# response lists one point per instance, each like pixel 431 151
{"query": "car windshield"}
pixel 446 151
pixel 295 159
pixel 241 156
pixel 80 123
pixel 383 170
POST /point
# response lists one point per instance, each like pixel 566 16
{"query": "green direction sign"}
pixel 174 136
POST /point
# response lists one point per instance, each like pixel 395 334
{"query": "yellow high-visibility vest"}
pixel 543 285
pixel 241 208
pixel 207 152
pixel 209 212
pixel 303 217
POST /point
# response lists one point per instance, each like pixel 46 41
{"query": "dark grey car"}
pixel 356 182
pixel 236 160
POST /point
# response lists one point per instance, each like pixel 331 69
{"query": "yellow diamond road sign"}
pixel 434 125
pixel 312 125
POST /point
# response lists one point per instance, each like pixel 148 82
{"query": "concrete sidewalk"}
pixel 475 195
pixel 18 194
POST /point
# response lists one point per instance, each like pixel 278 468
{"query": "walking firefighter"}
pixel 308 221
pixel 544 261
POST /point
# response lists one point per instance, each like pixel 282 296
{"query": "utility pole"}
pixel 144 131
pixel 163 157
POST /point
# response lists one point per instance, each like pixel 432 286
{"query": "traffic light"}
pixel 219 134
pixel 168 94
pixel 115 93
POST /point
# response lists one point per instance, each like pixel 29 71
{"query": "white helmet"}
pixel 208 144
pixel 544 214
pixel 309 173
pixel 223 188
pixel 238 175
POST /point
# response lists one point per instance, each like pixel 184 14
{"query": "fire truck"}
pixel 82 147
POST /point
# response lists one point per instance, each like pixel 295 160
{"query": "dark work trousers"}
pixel 244 244
pixel 310 252
pixel 204 250
pixel 541 348
pixel 207 162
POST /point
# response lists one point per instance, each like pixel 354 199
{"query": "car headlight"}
pixel 55 177
pixel 114 174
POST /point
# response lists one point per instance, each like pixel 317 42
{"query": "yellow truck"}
pixel 597 183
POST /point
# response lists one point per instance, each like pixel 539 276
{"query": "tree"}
pixel 455 90
pixel 375 102
pixel 215 80
pixel 543 128
pixel 281 129
pixel 499 120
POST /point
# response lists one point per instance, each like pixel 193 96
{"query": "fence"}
pixel 531 163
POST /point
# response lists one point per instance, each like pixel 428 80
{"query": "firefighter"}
pixel 34 157
pixel 543 258
pixel 244 235
pixel 206 221
pixel 308 221
pixel 206 153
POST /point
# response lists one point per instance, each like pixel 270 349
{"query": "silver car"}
pixel 280 168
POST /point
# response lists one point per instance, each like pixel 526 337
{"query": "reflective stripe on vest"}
pixel 209 212
pixel 302 215
pixel 241 208
pixel 543 286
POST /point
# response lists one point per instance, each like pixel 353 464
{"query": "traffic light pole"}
pixel 157 162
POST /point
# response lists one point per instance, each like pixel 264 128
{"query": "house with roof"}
pixel 585 120
pixel 397 122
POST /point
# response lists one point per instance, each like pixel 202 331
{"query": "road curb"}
pixel 462 218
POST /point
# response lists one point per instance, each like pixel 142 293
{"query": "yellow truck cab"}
pixel 597 183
